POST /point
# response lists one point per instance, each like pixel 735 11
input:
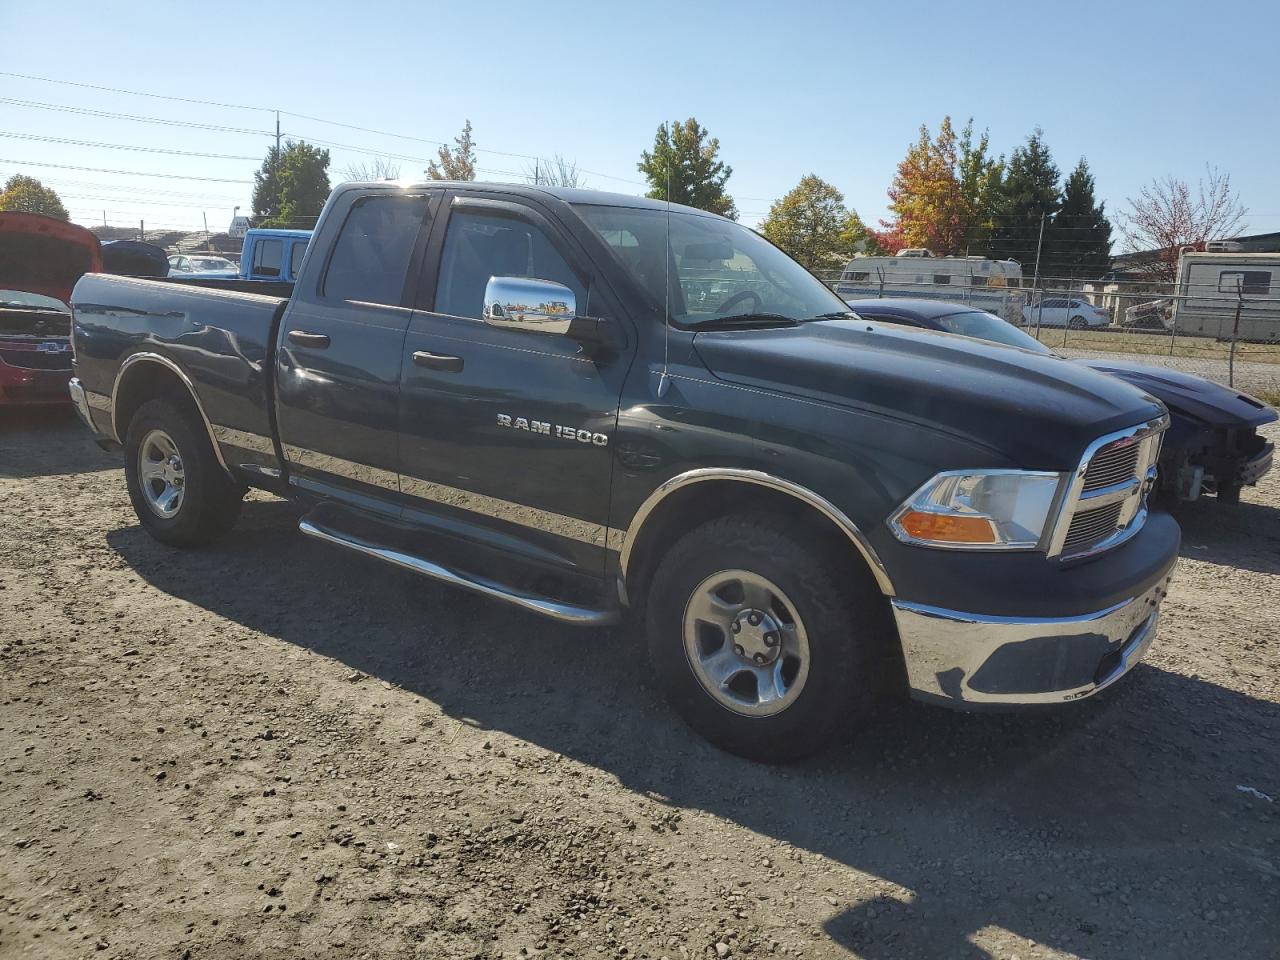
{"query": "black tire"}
pixel 210 501
pixel 1079 323
pixel 844 620
pixel 1229 492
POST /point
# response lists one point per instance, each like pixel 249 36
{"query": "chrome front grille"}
pixel 1113 464
pixel 1106 502
pixel 1089 526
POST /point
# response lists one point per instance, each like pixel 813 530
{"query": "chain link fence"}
pixel 1227 332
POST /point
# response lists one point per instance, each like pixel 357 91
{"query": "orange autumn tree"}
pixel 928 204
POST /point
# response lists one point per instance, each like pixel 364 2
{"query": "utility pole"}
pixel 1035 283
pixel 142 230
pixel 207 245
pixel 279 185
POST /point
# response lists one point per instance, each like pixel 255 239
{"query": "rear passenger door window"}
pixel 370 259
pixel 298 251
pixel 268 255
pixel 479 246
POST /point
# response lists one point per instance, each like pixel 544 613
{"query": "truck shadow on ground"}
pixel 1244 535
pixel 46 442
pixel 1112 829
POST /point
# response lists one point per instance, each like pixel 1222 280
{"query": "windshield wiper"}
pixel 735 320
pixel 835 315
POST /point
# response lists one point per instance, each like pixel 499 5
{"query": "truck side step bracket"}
pixel 560 610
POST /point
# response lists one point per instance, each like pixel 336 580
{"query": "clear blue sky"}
pixel 838 89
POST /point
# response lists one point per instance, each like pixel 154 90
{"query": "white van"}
pixel 991 285
pixel 1210 286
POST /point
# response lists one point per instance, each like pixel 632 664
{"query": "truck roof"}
pixel 603 198
pixel 277 232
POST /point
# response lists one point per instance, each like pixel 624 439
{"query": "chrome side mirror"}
pixel 539 306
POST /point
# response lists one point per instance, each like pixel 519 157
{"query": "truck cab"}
pixel 272 254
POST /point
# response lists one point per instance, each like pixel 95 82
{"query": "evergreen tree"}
pixel 1028 193
pixel 1081 232
pixel 684 155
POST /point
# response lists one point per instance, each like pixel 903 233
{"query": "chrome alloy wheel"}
pixel 745 643
pixel 160 473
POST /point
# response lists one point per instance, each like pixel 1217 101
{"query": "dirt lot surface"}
pixel 274 749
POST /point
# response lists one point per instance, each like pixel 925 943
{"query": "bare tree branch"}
pixel 1166 216
pixel 556 172
pixel 379 168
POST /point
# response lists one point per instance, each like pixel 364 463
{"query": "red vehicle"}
pixel 40 261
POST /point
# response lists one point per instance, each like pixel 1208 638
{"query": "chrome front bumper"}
pixel 964 659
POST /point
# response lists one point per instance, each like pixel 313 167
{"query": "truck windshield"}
pixel 717 268
pixel 987 326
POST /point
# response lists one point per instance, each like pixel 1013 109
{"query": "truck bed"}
pixel 221 341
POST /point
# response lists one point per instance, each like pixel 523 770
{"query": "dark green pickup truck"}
pixel 595 407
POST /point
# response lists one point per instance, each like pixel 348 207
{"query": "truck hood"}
pixel 45 256
pixel 1037 411
pixel 1192 396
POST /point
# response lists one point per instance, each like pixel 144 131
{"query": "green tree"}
pixel 813 226
pixel 457 162
pixel 304 186
pixel 981 177
pixel 28 195
pixel 1028 193
pixel 266 186
pixel 1081 232
pixel 291 186
pixel 683 153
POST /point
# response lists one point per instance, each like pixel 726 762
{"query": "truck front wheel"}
pixel 757 645
pixel 178 489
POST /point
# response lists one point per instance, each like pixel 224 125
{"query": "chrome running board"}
pixel 554 609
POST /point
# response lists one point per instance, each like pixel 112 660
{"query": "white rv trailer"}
pixel 1210 286
pixel 992 285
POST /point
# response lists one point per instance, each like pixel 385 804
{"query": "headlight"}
pixel 978 510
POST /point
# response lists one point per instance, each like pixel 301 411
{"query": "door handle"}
pixel 437 361
pixel 304 339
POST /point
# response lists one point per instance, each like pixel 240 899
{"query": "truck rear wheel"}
pixel 178 489
pixel 756 645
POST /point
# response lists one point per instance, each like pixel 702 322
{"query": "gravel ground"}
pixel 273 749
pixel 1250 375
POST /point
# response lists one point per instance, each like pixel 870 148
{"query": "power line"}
pixel 112 115
pixel 288 113
pixel 122 146
pixel 127 173
pixel 160 203
pixel 136 93
pixel 58 183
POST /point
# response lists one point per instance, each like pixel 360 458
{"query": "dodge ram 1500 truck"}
pixel 586 405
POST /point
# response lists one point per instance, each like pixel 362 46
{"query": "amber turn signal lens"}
pixel 947 527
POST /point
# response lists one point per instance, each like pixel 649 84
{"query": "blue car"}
pixel 1212 445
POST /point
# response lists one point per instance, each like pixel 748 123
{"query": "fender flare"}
pixel 133 360
pixel 759 478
